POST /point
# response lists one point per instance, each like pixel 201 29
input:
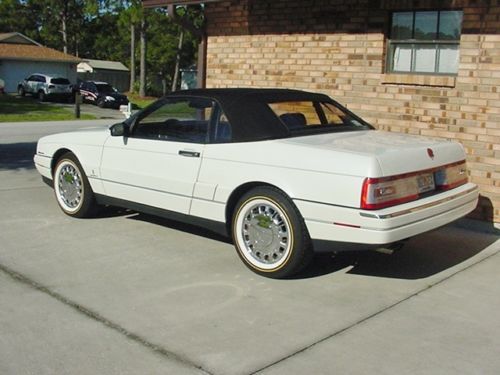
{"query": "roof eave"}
pixel 15 33
pixel 14 58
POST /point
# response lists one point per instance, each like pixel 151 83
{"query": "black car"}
pixel 101 94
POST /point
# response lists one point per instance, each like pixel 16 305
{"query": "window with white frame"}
pixel 424 42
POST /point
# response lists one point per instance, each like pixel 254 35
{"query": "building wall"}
pixel 14 71
pixel 339 48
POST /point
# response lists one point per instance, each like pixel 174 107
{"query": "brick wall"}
pixel 338 47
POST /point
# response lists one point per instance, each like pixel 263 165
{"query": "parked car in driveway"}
pixel 46 87
pixel 101 94
pixel 284 172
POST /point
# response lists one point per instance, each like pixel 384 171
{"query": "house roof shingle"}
pixel 10 51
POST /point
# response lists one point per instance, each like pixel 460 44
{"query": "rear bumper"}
pixel 342 224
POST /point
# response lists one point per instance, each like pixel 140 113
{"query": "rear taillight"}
pixel 450 177
pixel 384 192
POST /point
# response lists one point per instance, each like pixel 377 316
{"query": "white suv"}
pixel 45 87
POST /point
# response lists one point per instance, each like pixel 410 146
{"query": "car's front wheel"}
pixel 270 234
pixel 101 103
pixel 73 192
pixel 41 96
pixel 20 91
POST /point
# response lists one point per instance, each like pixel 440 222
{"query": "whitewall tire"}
pixel 270 234
pixel 73 192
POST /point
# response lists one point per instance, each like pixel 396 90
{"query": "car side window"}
pixel 176 119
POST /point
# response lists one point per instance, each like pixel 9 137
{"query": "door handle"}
pixel 189 154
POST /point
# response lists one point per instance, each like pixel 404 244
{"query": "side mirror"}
pixel 119 130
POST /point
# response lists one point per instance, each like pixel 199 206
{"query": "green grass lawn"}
pixel 14 109
pixel 138 102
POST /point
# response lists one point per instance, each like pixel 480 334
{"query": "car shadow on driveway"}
pixel 421 257
pixel 17 155
pixel 187 228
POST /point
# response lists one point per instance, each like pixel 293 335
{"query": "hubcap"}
pixel 266 233
pixel 70 186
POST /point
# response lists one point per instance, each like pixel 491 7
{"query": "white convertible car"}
pixel 284 172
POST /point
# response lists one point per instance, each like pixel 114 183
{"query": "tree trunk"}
pixel 177 61
pixel 64 19
pixel 142 74
pixel 164 85
pixel 132 57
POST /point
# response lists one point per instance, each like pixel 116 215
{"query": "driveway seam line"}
pixel 365 319
pixel 21 188
pixel 16 276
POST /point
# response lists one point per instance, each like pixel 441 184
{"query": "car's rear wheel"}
pixel 20 91
pixel 101 103
pixel 270 234
pixel 41 96
pixel 73 192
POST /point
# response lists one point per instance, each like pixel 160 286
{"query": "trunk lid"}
pixel 395 153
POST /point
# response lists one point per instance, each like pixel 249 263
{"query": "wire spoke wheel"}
pixel 73 192
pixel 269 233
pixel 70 186
pixel 266 233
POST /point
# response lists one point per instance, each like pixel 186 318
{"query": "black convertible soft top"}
pixel 250 117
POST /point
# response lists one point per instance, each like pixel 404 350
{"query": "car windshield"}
pixel 306 117
pixel 59 81
pixel 105 88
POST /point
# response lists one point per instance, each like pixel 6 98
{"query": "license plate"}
pixel 425 182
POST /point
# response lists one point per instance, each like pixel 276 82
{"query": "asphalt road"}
pixel 128 293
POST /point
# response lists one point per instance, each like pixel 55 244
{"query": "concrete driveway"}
pixel 128 293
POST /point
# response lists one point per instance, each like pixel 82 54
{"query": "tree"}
pixel 129 19
pixel 163 49
pixel 132 57
pixel 58 22
pixel 13 17
pixel 177 62
pixel 107 30
pixel 142 67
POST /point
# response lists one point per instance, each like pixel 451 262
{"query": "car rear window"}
pixel 312 116
pixel 105 88
pixel 59 81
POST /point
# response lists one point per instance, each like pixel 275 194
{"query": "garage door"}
pixel 14 71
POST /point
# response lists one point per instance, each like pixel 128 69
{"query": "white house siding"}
pixel 13 71
pixel 84 67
